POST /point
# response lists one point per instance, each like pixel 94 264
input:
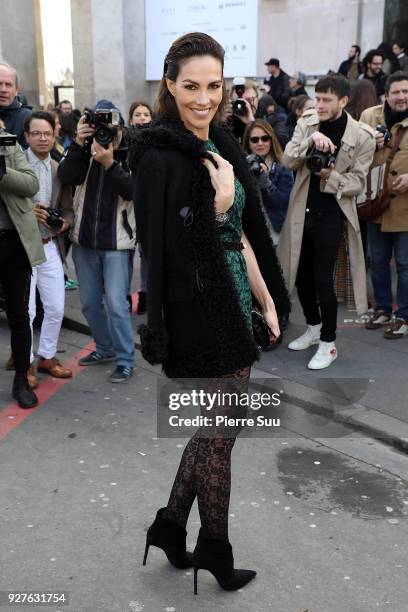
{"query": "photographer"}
pixel 20 249
pixel 13 112
pixel 331 153
pixel 274 181
pixel 54 212
pixel 103 234
pixel 388 234
pixel 243 106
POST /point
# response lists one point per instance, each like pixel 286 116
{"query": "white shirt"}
pixel 42 170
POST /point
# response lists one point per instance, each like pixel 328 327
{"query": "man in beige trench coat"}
pixel 320 203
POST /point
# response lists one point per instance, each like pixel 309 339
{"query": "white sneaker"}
pixel 325 355
pixel 310 337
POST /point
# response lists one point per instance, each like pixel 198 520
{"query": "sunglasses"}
pixel 255 139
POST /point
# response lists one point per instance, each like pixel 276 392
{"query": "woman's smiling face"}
pixel 198 92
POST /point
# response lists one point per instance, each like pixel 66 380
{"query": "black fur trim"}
pixel 235 347
pixel 155 344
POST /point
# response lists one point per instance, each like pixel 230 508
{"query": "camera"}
pixel 318 160
pixel 6 140
pixel 238 85
pixel 381 129
pixel 239 107
pixel 254 163
pixel 54 218
pixel 100 119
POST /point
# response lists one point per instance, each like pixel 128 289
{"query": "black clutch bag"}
pixel 264 336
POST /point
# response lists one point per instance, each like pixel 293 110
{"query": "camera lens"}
pixel 239 108
pixel 104 135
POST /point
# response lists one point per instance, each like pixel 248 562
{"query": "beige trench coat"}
pixel 345 182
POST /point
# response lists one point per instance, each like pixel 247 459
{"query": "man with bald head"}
pixel 12 112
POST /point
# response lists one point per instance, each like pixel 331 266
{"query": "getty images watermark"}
pixel 216 407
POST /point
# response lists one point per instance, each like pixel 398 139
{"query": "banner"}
pixel 233 23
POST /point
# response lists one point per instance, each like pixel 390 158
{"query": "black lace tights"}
pixel 205 472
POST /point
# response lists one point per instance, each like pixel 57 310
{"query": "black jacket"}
pixel 346 65
pixel 99 209
pixel 175 217
pixel 379 83
pixel 14 117
pixel 279 88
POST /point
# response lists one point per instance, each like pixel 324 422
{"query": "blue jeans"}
pixel 104 278
pixel 382 246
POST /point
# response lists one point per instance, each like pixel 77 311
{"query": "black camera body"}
pixel 100 119
pixel 254 163
pixel 382 129
pixel 239 107
pixel 54 218
pixel 319 160
pixel 6 140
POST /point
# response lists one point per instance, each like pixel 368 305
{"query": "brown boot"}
pixel 10 363
pixel 31 378
pixel 53 367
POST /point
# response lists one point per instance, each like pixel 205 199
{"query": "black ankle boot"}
pixel 171 538
pixel 216 557
pixel 25 397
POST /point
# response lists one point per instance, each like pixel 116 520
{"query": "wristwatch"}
pixel 221 218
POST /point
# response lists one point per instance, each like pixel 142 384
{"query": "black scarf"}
pixel 392 117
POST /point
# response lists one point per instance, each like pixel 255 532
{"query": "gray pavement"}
pixel 379 408
pixel 320 509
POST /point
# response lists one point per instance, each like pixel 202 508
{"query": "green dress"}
pixel 231 231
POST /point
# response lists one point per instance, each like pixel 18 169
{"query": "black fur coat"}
pixel 191 295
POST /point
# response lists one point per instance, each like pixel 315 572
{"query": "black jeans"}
pixel 15 276
pixel 320 244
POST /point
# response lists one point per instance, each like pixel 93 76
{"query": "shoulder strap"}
pixel 397 142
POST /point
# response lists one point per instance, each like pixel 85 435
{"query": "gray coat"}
pixel 17 187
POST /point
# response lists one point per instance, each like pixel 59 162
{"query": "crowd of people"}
pixel 322 244
pixel 234 199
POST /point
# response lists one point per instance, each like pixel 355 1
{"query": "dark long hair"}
pixel 134 106
pixel 187 46
pixel 363 95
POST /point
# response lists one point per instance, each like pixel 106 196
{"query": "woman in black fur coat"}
pixel 207 243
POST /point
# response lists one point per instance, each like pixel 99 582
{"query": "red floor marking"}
pixel 12 415
pixel 135 301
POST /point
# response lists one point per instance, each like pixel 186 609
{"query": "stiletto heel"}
pixel 216 557
pixel 146 551
pixel 171 538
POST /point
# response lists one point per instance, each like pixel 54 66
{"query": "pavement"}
pixel 319 509
pixel 369 376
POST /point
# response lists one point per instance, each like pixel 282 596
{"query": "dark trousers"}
pixel 320 244
pixel 15 276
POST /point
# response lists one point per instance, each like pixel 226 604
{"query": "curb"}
pixel 369 421
pixel 76 326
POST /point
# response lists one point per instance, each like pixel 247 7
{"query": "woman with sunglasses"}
pixel 274 181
